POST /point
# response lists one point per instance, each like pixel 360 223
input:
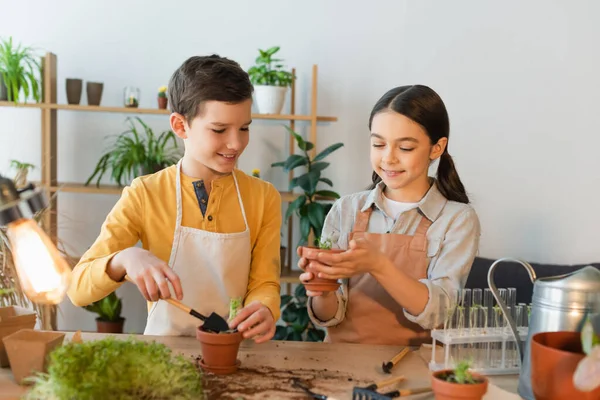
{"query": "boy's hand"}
pixel 255 321
pixel 151 274
pixel 307 276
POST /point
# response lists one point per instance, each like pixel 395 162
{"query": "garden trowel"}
pixel 214 322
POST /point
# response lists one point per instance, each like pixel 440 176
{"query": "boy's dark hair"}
pixel 207 78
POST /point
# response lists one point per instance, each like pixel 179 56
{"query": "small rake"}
pixel 370 392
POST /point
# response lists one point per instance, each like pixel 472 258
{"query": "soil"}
pixel 271 383
pixel 450 378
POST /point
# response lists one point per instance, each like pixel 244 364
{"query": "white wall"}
pixel 520 80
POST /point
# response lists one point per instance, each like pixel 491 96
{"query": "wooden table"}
pixel 267 370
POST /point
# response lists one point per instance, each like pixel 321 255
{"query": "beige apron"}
pixel 212 267
pixel 372 315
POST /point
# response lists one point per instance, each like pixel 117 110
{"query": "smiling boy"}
pixel 208 229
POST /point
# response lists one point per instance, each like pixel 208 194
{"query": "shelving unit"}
pixel 49 179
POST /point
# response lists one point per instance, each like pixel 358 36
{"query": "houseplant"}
pixel 307 206
pixel 23 169
pixel 458 383
pixel 270 81
pixel 297 325
pixel 319 284
pixel 109 314
pixel 220 349
pixel 20 69
pixel 162 98
pixel 117 369
pixel 136 153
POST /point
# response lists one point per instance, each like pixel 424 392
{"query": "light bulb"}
pixel 44 274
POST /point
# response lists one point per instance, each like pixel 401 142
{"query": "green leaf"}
pixel 280 332
pixel 290 313
pixel 300 293
pixel 320 166
pixel 295 337
pixel 328 151
pixel 315 335
pixel 308 182
pixel 278 164
pixel 293 183
pixel 316 215
pixel 327 193
pixel 327 181
pixel 304 229
pixel 302 320
pixel 294 205
pixel 286 298
pixel 306 146
pixel 299 139
pixel 294 161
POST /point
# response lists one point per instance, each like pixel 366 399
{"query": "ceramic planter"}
pixel 453 391
pixel 94 93
pixel 28 349
pixel 219 351
pixel 162 103
pixel 319 284
pixel 269 99
pixel 554 358
pixel 74 88
pixel 110 326
pixel 13 319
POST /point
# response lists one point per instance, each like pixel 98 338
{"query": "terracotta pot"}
pixel 110 326
pixel 319 284
pixel 28 349
pixel 162 103
pixel 219 351
pixel 449 391
pixel 94 93
pixel 13 319
pixel 74 87
pixel 554 358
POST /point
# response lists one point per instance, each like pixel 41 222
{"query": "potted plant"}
pixel 28 349
pixel 319 284
pixel 20 69
pixel 162 98
pixel 116 369
pixel 458 383
pixel 136 153
pixel 294 314
pixel 256 173
pixel 22 171
pixel 308 206
pixel 109 314
pixel 220 349
pixel 270 81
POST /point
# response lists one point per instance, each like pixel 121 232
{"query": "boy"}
pixel 226 224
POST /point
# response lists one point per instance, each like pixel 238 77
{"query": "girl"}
pixel 410 240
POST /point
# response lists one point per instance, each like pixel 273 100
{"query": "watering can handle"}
pixel 494 289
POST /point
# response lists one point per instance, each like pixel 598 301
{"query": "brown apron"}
pixel 372 315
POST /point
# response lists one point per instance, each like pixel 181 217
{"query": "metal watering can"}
pixel 559 303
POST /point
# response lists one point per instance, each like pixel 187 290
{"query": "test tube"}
pixel 476 324
pixel 488 309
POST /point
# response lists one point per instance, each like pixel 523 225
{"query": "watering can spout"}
pixel 511 322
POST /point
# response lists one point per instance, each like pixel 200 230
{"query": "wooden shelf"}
pixel 155 111
pixel 290 276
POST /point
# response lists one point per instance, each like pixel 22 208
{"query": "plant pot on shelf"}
pixel 94 93
pixel 554 359
pixel 13 319
pixel 162 103
pixel 444 390
pixel 74 88
pixel 319 284
pixel 219 351
pixel 28 349
pixel 104 326
pixel 270 99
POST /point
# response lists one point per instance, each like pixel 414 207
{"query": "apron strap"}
pixel 362 220
pixel 419 240
pixel 178 191
pixel 237 188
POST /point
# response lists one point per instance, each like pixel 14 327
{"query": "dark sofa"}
pixel 509 274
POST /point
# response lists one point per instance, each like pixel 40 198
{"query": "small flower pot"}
pixel 94 93
pixel 319 284
pixel 28 351
pixel 554 359
pixel 74 88
pixel 13 319
pixel 269 99
pixel 444 390
pixel 162 103
pixel 219 351
pixel 110 326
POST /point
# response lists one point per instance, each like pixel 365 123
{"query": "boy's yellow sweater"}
pixel 147 211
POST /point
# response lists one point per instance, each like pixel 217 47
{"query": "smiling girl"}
pixel 410 240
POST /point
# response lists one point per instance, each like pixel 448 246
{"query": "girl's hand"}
pixel 255 321
pixel 307 276
pixel 361 257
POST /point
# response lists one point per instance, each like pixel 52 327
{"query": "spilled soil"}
pixel 271 383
